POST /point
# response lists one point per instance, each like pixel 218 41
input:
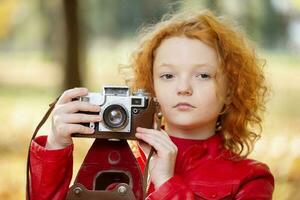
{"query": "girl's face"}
pixel 184 72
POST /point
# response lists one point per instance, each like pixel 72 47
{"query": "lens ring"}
pixel 115 117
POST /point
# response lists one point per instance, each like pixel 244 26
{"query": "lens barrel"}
pixel 115 117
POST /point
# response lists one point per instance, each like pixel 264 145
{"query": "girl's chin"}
pixel 185 125
pixel 184 120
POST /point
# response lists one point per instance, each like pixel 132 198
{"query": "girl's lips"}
pixel 184 106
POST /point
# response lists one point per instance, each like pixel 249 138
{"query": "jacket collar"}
pixel 191 151
pixel 213 144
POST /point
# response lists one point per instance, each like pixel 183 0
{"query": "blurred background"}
pixel 48 46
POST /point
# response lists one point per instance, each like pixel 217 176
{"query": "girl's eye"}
pixel 204 76
pixel 167 76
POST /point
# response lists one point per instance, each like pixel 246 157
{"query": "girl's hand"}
pixel 162 163
pixel 65 120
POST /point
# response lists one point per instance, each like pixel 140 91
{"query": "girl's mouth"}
pixel 184 106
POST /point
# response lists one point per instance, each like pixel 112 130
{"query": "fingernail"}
pixel 91 131
pixel 84 89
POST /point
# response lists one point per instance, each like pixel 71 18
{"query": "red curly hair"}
pixel 239 62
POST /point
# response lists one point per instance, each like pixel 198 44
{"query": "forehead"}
pixel 183 51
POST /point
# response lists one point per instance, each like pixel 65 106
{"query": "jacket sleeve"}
pixel 50 171
pixel 173 189
pixel 259 184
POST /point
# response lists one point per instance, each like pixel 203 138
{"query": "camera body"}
pixel 121 111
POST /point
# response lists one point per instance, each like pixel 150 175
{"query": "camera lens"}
pixel 115 116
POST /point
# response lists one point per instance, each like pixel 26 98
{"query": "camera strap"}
pixel 158 116
pixel 41 123
pixel 44 119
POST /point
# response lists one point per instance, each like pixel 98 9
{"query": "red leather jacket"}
pixel 203 170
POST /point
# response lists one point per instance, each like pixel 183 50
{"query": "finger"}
pixel 153 131
pixel 160 144
pixel 70 94
pixel 75 128
pixel 158 137
pixel 161 149
pixel 77 118
pixel 75 106
pixel 161 136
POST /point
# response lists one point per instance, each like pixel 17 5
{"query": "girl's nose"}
pixel 184 88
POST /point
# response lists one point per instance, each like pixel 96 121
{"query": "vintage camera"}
pixel 121 111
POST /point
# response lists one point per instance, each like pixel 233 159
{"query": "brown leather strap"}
pixel 52 105
pixel 146 173
pixel 121 192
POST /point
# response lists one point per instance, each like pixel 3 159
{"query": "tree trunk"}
pixel 72 76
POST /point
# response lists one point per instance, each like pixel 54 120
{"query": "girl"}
pixel 210 87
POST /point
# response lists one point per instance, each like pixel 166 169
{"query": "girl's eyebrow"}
pixel 168 65
pixel 204 65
